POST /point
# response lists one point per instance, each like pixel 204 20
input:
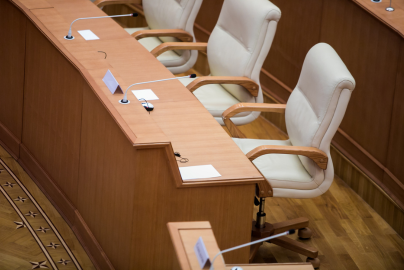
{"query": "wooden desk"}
pixel 184 236
pixel 109 168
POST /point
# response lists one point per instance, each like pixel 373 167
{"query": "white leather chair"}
pixel 300 167
pixel 168 21
pixel 236 51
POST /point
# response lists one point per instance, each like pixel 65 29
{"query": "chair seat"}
pixel 169 58
pixel 280 170
pixel 215 98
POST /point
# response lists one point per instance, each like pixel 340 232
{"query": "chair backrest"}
pixel 171 14
pixel 241 40
pixel 318 103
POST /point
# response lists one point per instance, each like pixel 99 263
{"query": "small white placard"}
pixel 198 172
pixel 146 94
pixel 202 254
pixel 112 83
pixel 88 35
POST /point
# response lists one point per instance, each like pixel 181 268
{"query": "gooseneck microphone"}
pixel 69 34
pixel 125 97
pixel 251 243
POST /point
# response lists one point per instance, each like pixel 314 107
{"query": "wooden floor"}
pixel 32 233
pixel 347 232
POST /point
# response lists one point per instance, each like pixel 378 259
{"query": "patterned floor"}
pixel 32 233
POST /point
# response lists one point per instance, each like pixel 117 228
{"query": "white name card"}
pixel 88 35
pixel 198 172
pixel 202 254
pixel 146 94
pixel 112 83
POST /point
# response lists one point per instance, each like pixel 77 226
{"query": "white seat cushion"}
pixel 215 98
pixel 280 170
pixel 169 58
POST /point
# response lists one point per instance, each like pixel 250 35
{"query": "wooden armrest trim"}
pixel 103 3
pixel 251 107
pixel 247 83
pixel 170 46
pixel 315 154
pixel 247 107
pixel 177 33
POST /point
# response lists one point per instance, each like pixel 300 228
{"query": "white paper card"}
pixel 198 172
pixel 202 254
pixel 146 94
pixel 112 83
pixel 88 34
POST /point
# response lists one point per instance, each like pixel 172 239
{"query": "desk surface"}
pixel 179 118
pixel 184 236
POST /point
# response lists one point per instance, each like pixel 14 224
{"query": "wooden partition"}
pixel 110 168
pixel 370 42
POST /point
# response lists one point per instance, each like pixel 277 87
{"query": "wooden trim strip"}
pixel 62 241
pixel 374 183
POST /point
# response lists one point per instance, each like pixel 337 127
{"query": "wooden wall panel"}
pixel 12 56
pixel 52 111
pixel 396 143
pixel 298 30
pixel 207 18
pixel 371 52
pixel 105 181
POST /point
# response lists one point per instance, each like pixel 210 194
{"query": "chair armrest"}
pixel 247 83
pixel 177 33
pixel 170 46
pixel 247 107
pixel 103 3
pixel 315 154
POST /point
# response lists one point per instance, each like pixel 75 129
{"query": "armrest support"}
pixel 177 33
pixel 170 46
pixel 247 83
pixel 315 154
pixel 247 107
pixel 103 3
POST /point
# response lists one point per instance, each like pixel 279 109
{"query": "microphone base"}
pixel 124 103
pixel 69 38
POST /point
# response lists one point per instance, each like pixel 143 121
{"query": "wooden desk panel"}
pixel 13 24
pixel 110 168
pixel 52 112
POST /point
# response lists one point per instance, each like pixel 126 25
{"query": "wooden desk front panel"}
pixel 52 111
pixel 12 49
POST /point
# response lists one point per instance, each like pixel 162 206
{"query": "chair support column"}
pixel 260 223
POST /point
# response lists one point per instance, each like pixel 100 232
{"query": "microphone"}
pixel 125 99
pixel 251 243
pixel 69 34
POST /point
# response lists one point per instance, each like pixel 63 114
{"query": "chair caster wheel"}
pixel 314 261
pixel 305 233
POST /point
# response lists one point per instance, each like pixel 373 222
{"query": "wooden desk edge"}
pixel 379 18
pixel 174 230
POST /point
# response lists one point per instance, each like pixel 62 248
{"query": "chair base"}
pixel 304 233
